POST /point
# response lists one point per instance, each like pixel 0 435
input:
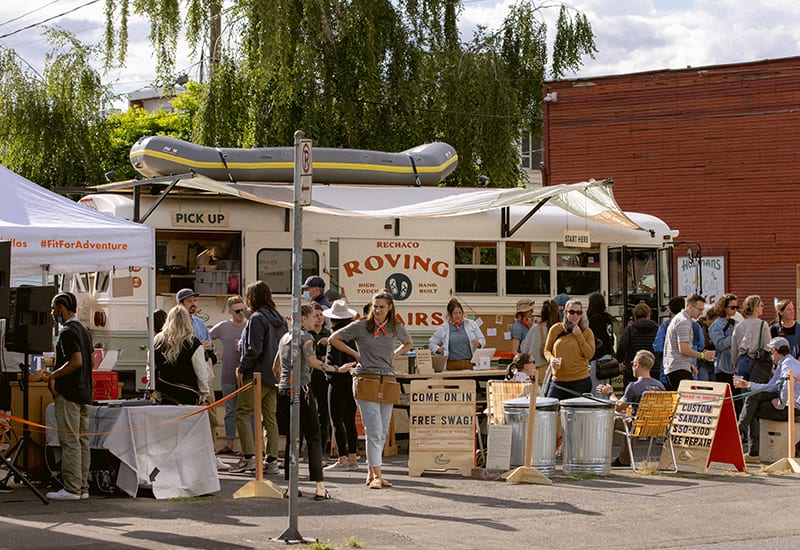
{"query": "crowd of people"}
pixel 337 350
pixel 343 354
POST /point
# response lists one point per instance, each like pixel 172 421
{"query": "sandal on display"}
pixel 324 496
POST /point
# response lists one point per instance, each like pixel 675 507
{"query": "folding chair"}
pixel 652 419
pixel 498 391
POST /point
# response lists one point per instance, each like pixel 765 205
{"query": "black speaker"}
pixel 5 278
pixel 30 325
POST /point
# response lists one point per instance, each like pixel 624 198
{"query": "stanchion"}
pixel 258 487
pixel 790 464
pixel 528 473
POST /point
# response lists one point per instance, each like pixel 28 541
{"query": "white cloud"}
pixel 631 35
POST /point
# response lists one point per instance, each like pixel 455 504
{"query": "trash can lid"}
pixel 587 403
pixel 542 403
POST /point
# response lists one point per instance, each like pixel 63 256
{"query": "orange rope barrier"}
pixel 41 427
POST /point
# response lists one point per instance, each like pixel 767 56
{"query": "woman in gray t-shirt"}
pixel 309 420
pixel 376 340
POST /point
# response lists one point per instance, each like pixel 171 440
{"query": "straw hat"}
pixel 339 310
pixel 524 304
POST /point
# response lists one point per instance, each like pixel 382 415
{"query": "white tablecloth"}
pixel 174 457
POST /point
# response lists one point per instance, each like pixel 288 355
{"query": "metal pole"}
pixel 292 534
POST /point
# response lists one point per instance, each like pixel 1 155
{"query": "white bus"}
pixel 363 239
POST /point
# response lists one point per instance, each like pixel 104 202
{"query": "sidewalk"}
pixel 622 510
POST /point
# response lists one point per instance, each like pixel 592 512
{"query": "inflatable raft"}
pixel 427 164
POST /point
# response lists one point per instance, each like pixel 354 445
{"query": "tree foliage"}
pixel 372 74
pixel 53 124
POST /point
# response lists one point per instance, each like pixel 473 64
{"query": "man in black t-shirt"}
pixel 71 386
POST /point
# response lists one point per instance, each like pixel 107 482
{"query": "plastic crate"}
pixel 105 385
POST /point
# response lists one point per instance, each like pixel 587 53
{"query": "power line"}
pixel 12 33
pixel 27 14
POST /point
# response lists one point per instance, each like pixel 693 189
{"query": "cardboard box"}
pixel 774 440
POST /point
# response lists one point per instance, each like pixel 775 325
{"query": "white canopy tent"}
pixel 51 233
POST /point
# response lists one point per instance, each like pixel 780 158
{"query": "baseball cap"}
pixel 314 281
pixel 778 342
pixel 185 293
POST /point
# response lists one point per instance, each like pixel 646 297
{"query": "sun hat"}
pixel 524 304
pixel 339 310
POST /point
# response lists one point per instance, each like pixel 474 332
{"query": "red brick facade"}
pixel 714 151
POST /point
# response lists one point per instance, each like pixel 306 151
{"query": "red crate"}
pixel 105 385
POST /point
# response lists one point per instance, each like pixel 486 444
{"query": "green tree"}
pixel 53 124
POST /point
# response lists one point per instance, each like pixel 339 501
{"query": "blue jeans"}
pixel 230 411
pixel 376 418
pixel 578 386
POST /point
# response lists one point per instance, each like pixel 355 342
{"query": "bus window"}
pixel 274 267
pixel 476 268
pixel 578 270
pixel 101 279
pixel 527 268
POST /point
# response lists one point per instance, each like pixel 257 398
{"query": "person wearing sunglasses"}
pixel 786 325
pixel 721 334
pixel 679 341
pixel 229 332
pixel 569 347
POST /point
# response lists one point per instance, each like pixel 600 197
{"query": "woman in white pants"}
pixel 376 338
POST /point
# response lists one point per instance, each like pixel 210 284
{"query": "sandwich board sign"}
pixel 704 430
pixel 441 426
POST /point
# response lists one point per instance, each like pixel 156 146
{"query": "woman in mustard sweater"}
pixel 572 342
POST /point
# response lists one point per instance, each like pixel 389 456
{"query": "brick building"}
pixel 714 151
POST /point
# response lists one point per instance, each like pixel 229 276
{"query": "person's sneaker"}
pixel 618 464
pixel 271 467
pixel 85 495
pixel 752 459
pixel 63 494
pixel 245 465
pixel 222 466
pixel 6 489
pixel 337 466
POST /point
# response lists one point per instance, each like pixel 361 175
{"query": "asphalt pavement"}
pixel 623 510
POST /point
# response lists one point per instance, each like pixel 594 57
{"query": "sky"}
pixel 631 35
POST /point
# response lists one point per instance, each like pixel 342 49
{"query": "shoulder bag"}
pixel 606 367
pixel 762 362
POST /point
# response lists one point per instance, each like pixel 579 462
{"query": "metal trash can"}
pixel 544 431
pixel 587 431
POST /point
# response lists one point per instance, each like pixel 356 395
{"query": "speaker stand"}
pixel 21 474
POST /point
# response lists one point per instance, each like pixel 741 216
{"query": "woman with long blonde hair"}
pixel 181 370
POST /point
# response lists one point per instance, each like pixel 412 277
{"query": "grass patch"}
pixel 353 543
pixel 322 546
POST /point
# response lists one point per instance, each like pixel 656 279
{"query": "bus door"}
pixel 636 275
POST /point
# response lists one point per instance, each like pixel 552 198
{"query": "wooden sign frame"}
pixel 441 426
pixel 704 429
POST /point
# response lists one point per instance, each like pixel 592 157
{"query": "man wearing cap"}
pixel 71 386
pixel 771 402
pixel 522 323
pixel 187 298
pixel 314 291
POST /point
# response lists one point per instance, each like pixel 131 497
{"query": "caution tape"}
pixel 41 427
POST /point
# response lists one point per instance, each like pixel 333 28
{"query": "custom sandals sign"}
pixel 442 426
pixel 704 429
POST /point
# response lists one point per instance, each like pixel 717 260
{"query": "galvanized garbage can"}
pixel 587 431
pixel 544 431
